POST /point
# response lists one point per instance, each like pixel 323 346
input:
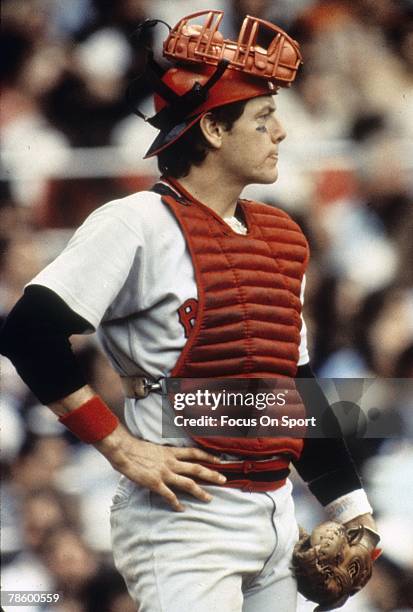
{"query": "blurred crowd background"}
pixel 70 143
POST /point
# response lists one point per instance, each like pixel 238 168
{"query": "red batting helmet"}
pixel 211 71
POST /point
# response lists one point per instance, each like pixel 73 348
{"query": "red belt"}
pixel 254 475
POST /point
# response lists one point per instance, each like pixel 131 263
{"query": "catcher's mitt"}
pixel 331 564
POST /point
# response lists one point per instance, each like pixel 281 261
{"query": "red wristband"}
pixel 92 421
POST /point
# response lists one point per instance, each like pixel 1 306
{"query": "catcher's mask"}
pixel 211 71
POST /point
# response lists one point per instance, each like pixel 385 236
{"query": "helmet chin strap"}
pixel 185 105
pixel 152 72
pixel 179 107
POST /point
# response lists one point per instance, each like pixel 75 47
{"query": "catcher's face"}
pixel 249 151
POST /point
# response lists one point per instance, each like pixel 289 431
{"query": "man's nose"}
pixel 278 132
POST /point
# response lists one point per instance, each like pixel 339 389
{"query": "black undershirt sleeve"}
pixel 35 337
pixel 325 463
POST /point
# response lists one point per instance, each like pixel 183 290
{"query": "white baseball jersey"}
pixel 127 270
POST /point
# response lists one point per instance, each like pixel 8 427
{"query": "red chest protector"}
pixel 248 318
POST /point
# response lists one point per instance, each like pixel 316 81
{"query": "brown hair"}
pixel 192 148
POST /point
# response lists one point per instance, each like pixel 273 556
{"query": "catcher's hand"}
pixel 332 563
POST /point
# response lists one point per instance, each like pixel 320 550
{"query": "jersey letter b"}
pixel 187 315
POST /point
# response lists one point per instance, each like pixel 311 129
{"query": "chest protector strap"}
pixel 248 315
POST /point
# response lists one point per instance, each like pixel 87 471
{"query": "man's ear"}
pixel 212 130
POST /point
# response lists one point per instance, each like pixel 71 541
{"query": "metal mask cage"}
pixel 204 44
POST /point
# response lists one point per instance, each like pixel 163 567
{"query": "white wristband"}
pixel 348 506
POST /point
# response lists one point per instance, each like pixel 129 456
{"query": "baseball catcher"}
pixel 189 280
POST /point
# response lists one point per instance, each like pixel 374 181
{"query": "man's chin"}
pixel 263 178
pixel 268 179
